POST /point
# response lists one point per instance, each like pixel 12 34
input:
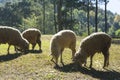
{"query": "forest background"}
pixel 50 16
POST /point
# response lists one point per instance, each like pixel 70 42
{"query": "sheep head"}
pixel 23 46
pixel 79 58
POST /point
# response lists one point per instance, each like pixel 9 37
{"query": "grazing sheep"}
pixel 61 40
pixel 96 42
pixel 13 36
pixel 33 36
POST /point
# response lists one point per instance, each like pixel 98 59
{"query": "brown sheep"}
pixel 96 42
pixel 33 36
pixel 61 40
pixel 13 36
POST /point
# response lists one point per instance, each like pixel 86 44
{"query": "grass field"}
pixel 37 66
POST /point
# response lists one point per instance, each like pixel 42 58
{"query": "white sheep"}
pixel 33 36
pixel 13 37
pixel 61 40
pixel 96 42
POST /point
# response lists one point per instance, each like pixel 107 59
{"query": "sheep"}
pixel 59 41
pixel 96 42
pixel 33 36
pixel 13 37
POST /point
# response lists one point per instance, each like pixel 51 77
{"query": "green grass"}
pixel 37 66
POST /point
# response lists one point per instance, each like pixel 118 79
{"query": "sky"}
pixel 114 6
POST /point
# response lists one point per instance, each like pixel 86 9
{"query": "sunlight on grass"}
pixel 4 47
pixel 37 66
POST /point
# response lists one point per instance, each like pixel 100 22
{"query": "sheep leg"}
pixel 106 59
pixel 39 44
pixel 61 57
pixel 54 62
pixel 8 48
pixel 72 47
pixel 91 60
pixel 16 49
pixel 33 46
pixel 85 63
pixel 73 53
pixel 61 60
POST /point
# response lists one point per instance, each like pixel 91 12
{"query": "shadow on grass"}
pixel 35 51
pixel 9 57
pixel 13 56
pixel 102 75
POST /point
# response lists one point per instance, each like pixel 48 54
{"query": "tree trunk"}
pixel 106 16
pixel 96 19
pixel 59 15
pixel 44 16
pixel 55 16
pixel 88 16
pixel 71 24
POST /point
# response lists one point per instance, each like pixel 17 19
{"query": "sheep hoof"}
pixel 63 64
pixel 8 53
pixel 104 67
pixel 56 66
pixel 90 67
pixel 40 50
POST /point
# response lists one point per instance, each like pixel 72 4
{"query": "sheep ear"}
pixel 78 52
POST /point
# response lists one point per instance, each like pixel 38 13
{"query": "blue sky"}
pixel 114 6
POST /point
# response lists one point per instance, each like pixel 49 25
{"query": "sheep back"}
pixel 32 35
pixel 61 40
pixel 96 42
pixel 12 36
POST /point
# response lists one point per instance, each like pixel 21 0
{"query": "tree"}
pixel 43 1
pixel 55 15
pixel 96 17
pixel 117 21
pixel 12 16
pixel 106 16
pixel 54 3
pixel 88 16
pixel 105 3
pixel 59 14
pixel 117 33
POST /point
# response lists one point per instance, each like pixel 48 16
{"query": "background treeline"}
pixel 50 16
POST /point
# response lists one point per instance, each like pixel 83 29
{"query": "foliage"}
pixel 29 13
pixel 112 31
pixel 117 33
